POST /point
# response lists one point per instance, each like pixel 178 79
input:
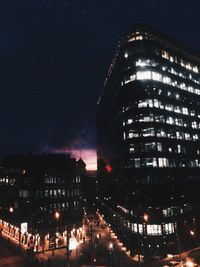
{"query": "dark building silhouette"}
pixel 148 138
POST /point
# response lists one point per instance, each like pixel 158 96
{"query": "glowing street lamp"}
pixel 145 217
pixel 192 233
pixel 11 209
pixel 57 215
pixel 111 246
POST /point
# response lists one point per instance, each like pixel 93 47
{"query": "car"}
pixel 172 264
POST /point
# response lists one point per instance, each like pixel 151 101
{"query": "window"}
pixel 169 228
pixel 167 80
pixel 148 132
pixel 194 124
pixel 185 111
pixel 140 228
pixel 163 162
pixel 154 229
pixel 156 76
pixel 159 147
pixel 148 147
pixel 144 118
pixel 149 162
pixel 170 120
pixel 160 118
pixel 143 75
pixel 136 162
pixel 169 107
pixel 165 54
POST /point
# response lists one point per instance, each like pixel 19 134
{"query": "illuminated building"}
pixel 148 117
pixel 38 187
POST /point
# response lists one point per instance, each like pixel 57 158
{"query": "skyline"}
pixel 54 60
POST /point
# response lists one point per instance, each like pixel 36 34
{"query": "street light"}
pixel 146 217
pixel 11 210
pixel 192 233
pixel 110 252
pixel 110 246
pixel 57 215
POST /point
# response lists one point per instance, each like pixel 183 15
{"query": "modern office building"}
pixel 148 120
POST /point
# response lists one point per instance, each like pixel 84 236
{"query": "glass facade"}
pixel 148 112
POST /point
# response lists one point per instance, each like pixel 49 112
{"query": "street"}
pixel 98 247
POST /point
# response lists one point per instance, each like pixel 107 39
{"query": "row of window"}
pixel 59 180
pixel 163 133
pixel 74 205
pixel 179 61
pixel 165 119
pixel 58 193
pixel 159 147
pixel 152 229
pixel 169 107
pixel 163 163
pixel 156 76
pixel 152 63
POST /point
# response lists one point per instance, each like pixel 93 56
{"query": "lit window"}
pixel 156 76
pixel 185 111
pixel 163 162
pixel 187 136
pixel 145 118
pixel 143 75
pixel 179 148
pixel 141 63
pixel 170 120
pixel 148 132
pixel 169 107
pixel 148 147
pixel 159 147
pixel 161 133
pixel 165 54
pixel 129 121
pixel 195 137
pixel 154 229
pixel 124 136
pixel 169 228
pixel 166 80
pixel 139 37
pixel 177 109
pixel 160 118
pixel 126 55
pixel 194 124
pixel 136 162
pixel 149 162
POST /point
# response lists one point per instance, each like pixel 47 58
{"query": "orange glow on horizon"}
pixel 88 155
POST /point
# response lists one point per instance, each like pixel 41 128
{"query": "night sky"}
pixel 54 57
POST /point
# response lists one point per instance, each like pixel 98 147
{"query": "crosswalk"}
pixel 10 260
